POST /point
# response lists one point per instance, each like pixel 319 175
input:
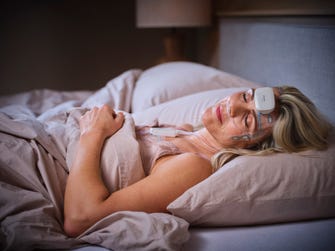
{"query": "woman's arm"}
pixel 87 200
pixel 85 187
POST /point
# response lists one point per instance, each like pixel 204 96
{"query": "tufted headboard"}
pixel 276 51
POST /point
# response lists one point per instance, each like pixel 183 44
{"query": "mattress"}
pixel 307 236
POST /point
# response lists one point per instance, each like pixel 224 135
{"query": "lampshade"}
pixel 173 13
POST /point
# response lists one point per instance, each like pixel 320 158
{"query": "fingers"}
pixel 103 116
pixel 119 117
pixel 90 112
pixel 105 109
pixel 102 119
pixel 108 109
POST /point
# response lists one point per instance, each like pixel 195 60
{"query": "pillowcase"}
pixel 182 110
pixel 168 81
pixel 265 189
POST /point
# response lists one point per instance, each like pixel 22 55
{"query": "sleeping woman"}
pixel 253 122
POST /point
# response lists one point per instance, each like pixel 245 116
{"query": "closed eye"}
pixel 245 97
pixel 246 121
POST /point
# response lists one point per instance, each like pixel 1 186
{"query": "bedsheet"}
pixel 34 144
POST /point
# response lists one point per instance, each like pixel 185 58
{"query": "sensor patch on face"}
pixel 247 137
pixel 264 100
pixel 264 105
pixel 268 120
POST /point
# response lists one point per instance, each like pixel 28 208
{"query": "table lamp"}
pixel 173 14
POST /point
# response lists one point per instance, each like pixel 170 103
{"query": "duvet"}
pixel 38 135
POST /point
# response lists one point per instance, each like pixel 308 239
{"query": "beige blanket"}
pixel 38 136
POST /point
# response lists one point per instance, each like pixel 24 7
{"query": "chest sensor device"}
pixel 167 132
pixel 264 100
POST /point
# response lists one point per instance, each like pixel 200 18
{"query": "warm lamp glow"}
pixel 173 14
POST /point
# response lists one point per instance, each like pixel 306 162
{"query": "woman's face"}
pixel 234 121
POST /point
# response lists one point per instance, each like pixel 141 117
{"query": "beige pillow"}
pixel 261 190
pixel 168 81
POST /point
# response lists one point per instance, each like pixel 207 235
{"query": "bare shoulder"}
pixel 184 163
pixel 193 160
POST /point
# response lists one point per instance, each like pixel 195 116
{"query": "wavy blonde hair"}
pixel 299 126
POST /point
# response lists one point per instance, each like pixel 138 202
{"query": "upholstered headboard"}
pixel 298 52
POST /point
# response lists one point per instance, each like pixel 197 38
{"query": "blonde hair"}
pixel 299 126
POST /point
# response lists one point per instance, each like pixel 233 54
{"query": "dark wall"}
pixel 72 44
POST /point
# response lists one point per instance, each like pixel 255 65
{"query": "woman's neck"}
pixel 200 141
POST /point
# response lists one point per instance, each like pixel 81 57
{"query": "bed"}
pixel 279 202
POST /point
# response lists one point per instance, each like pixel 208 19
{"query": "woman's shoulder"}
pixel 193 158
pixel 185 162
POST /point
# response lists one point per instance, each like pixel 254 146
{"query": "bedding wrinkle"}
pixel 32 189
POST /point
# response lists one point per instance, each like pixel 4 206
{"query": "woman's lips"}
pixel 218 113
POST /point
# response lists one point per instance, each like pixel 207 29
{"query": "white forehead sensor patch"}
pixel 264 100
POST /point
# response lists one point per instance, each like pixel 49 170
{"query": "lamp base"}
pixel 173 48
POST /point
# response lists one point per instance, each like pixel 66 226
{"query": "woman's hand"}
pixel 103 121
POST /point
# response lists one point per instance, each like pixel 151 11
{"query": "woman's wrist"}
pixel 93 136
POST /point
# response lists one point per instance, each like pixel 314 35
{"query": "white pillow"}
pixel 263 190
pixel 168 81
pixel 182 110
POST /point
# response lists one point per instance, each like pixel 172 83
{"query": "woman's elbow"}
pixel 78 218
pixel 69 229
pixel 74 226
